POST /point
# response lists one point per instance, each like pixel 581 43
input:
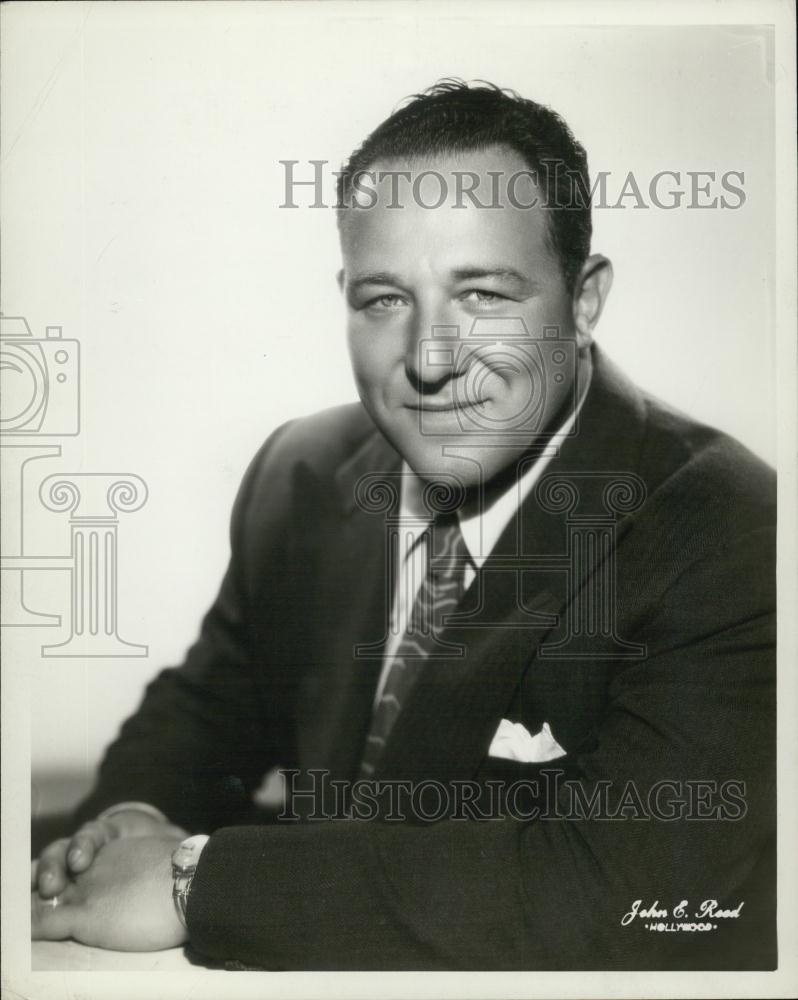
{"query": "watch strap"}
pixel 185 859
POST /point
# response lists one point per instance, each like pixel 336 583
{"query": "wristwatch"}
pixel 185 859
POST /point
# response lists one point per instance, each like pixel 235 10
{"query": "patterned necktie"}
pixel 439 595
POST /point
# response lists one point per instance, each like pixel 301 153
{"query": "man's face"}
pixel 470 399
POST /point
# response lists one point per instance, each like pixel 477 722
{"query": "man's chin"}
pixel 456 461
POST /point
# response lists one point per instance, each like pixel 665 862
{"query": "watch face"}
pixel 186 855
pixel 183 858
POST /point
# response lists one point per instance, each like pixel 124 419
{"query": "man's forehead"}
pixel 494 176
pixel 398 224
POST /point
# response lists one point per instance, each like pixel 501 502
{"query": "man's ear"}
pixel 340 279
pixel 592 288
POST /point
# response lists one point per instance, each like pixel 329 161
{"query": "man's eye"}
pixel 385 302
pixel 481 297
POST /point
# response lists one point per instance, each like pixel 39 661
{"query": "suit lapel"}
pixel 354 600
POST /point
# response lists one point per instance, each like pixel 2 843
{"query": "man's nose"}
pixel 432 357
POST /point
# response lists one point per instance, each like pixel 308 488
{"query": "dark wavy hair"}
pixel 454 116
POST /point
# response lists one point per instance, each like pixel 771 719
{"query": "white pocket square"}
pixel 513 742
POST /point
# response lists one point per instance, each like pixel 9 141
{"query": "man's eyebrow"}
pixel 470 273
pixel 373 278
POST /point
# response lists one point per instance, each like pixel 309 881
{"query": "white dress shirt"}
pixel 481 532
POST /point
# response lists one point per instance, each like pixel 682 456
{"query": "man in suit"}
pixel 507 625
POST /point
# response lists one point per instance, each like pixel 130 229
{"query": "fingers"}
pixel 69 856
pixel 51 875
pixel 51 919
pixel 85 844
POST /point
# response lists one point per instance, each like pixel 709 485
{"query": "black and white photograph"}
pixel 398 438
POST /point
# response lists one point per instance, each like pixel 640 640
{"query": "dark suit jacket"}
pixel 272 680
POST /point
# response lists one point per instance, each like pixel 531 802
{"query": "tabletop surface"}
pixel 69 956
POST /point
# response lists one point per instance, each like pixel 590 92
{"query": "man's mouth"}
pixel 447 406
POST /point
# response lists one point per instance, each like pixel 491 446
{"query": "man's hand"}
pixel 122 902
pixel 70 856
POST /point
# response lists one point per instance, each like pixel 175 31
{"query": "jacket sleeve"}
pixel 199 742
pixel 549 893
